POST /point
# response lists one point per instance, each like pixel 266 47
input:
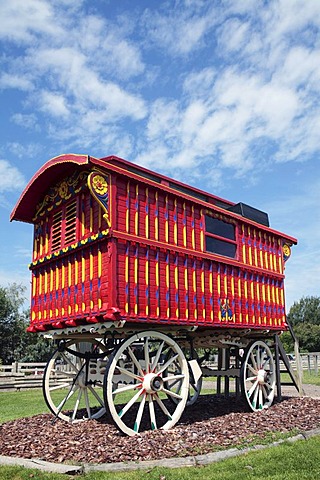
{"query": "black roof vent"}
pixel 251 213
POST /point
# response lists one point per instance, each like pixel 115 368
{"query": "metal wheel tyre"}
pixel 138 385
pixel 73 381
pixel 258 376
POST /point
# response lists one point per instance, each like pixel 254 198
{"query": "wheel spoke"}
pixel 146 355
pixel 95 394
pixel 172 394
pixel 252 370
pixel 255 396
pixel 129 404
pixel 139 414
pixel 86 398
pixel 135 361
pixel 126 388
pixel 258 358
pixel 76 406
pixel 253 388
pixel 152 413
pixel 260 398
pixel 68 396
pixel 265 363
pixel 157 357
pixel 128 373
pixel 254 363
pixel 251 379
pixel 168 363
pixel 69 362
pixel 60 386
pixel 173 378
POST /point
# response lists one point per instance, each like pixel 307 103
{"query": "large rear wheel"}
pixel 138 383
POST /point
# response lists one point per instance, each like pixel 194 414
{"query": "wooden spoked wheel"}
pixel 138 383
pixel 195 385
pixel 73 381
pixel 258 376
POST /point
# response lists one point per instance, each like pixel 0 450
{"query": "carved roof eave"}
pixel 49 174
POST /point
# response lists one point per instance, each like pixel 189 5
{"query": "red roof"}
pixel 51 172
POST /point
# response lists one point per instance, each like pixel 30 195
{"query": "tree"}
pixel 307 310
pixel 15 343
pixel 304 316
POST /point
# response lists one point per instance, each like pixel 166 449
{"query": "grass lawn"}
pixel 300 460
pixel 289 461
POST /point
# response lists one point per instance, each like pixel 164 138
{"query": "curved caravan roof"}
pixel 61 166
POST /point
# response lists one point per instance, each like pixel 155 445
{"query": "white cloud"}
pixel 22 20
pixel 233 35
pixel 11 177
pixel 180 29
pixel 53 104
pixel 28 121
pixel 14 80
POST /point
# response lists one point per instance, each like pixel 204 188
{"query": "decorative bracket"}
pixel 99 187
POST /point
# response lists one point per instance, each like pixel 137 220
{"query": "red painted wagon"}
pixel 139 278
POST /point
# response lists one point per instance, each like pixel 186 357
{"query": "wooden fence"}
pixel 20 375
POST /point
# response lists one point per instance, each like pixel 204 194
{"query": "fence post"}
pixel 14 367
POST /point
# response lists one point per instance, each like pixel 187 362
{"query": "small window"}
pixel 220 237
pixel 63 229
pixel 220 228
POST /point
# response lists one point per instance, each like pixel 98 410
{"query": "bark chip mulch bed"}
pixel 210 423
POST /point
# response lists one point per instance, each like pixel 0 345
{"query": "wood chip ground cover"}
pixel 210 424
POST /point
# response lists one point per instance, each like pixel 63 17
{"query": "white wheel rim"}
pixel 66 393
pixel 258 376
pixel 143 384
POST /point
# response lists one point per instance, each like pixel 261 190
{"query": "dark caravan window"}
pixel 220 237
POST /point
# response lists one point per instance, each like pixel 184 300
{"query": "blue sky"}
pixel 223 95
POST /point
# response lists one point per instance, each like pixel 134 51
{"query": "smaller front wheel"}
pixel 258 376
pixel 73 380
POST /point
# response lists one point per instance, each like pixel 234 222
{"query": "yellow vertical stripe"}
pixel 128 208
pixel 184 226
pixel 127 281
pixel 193 241
pixel 175 224
pixel 202 291
pixel 147 285
pixel 63 275
pixel 136 213
pixel 211 291
pixel 255 248
pixel 136 283
pixel 147 213
pixel 243 245
pixel 156 220
pixel 186 286
pixel 202 231
pixel 167 220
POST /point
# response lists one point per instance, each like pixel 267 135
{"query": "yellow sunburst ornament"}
pixel 99 188
pixel 286 251
pixel 100 184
